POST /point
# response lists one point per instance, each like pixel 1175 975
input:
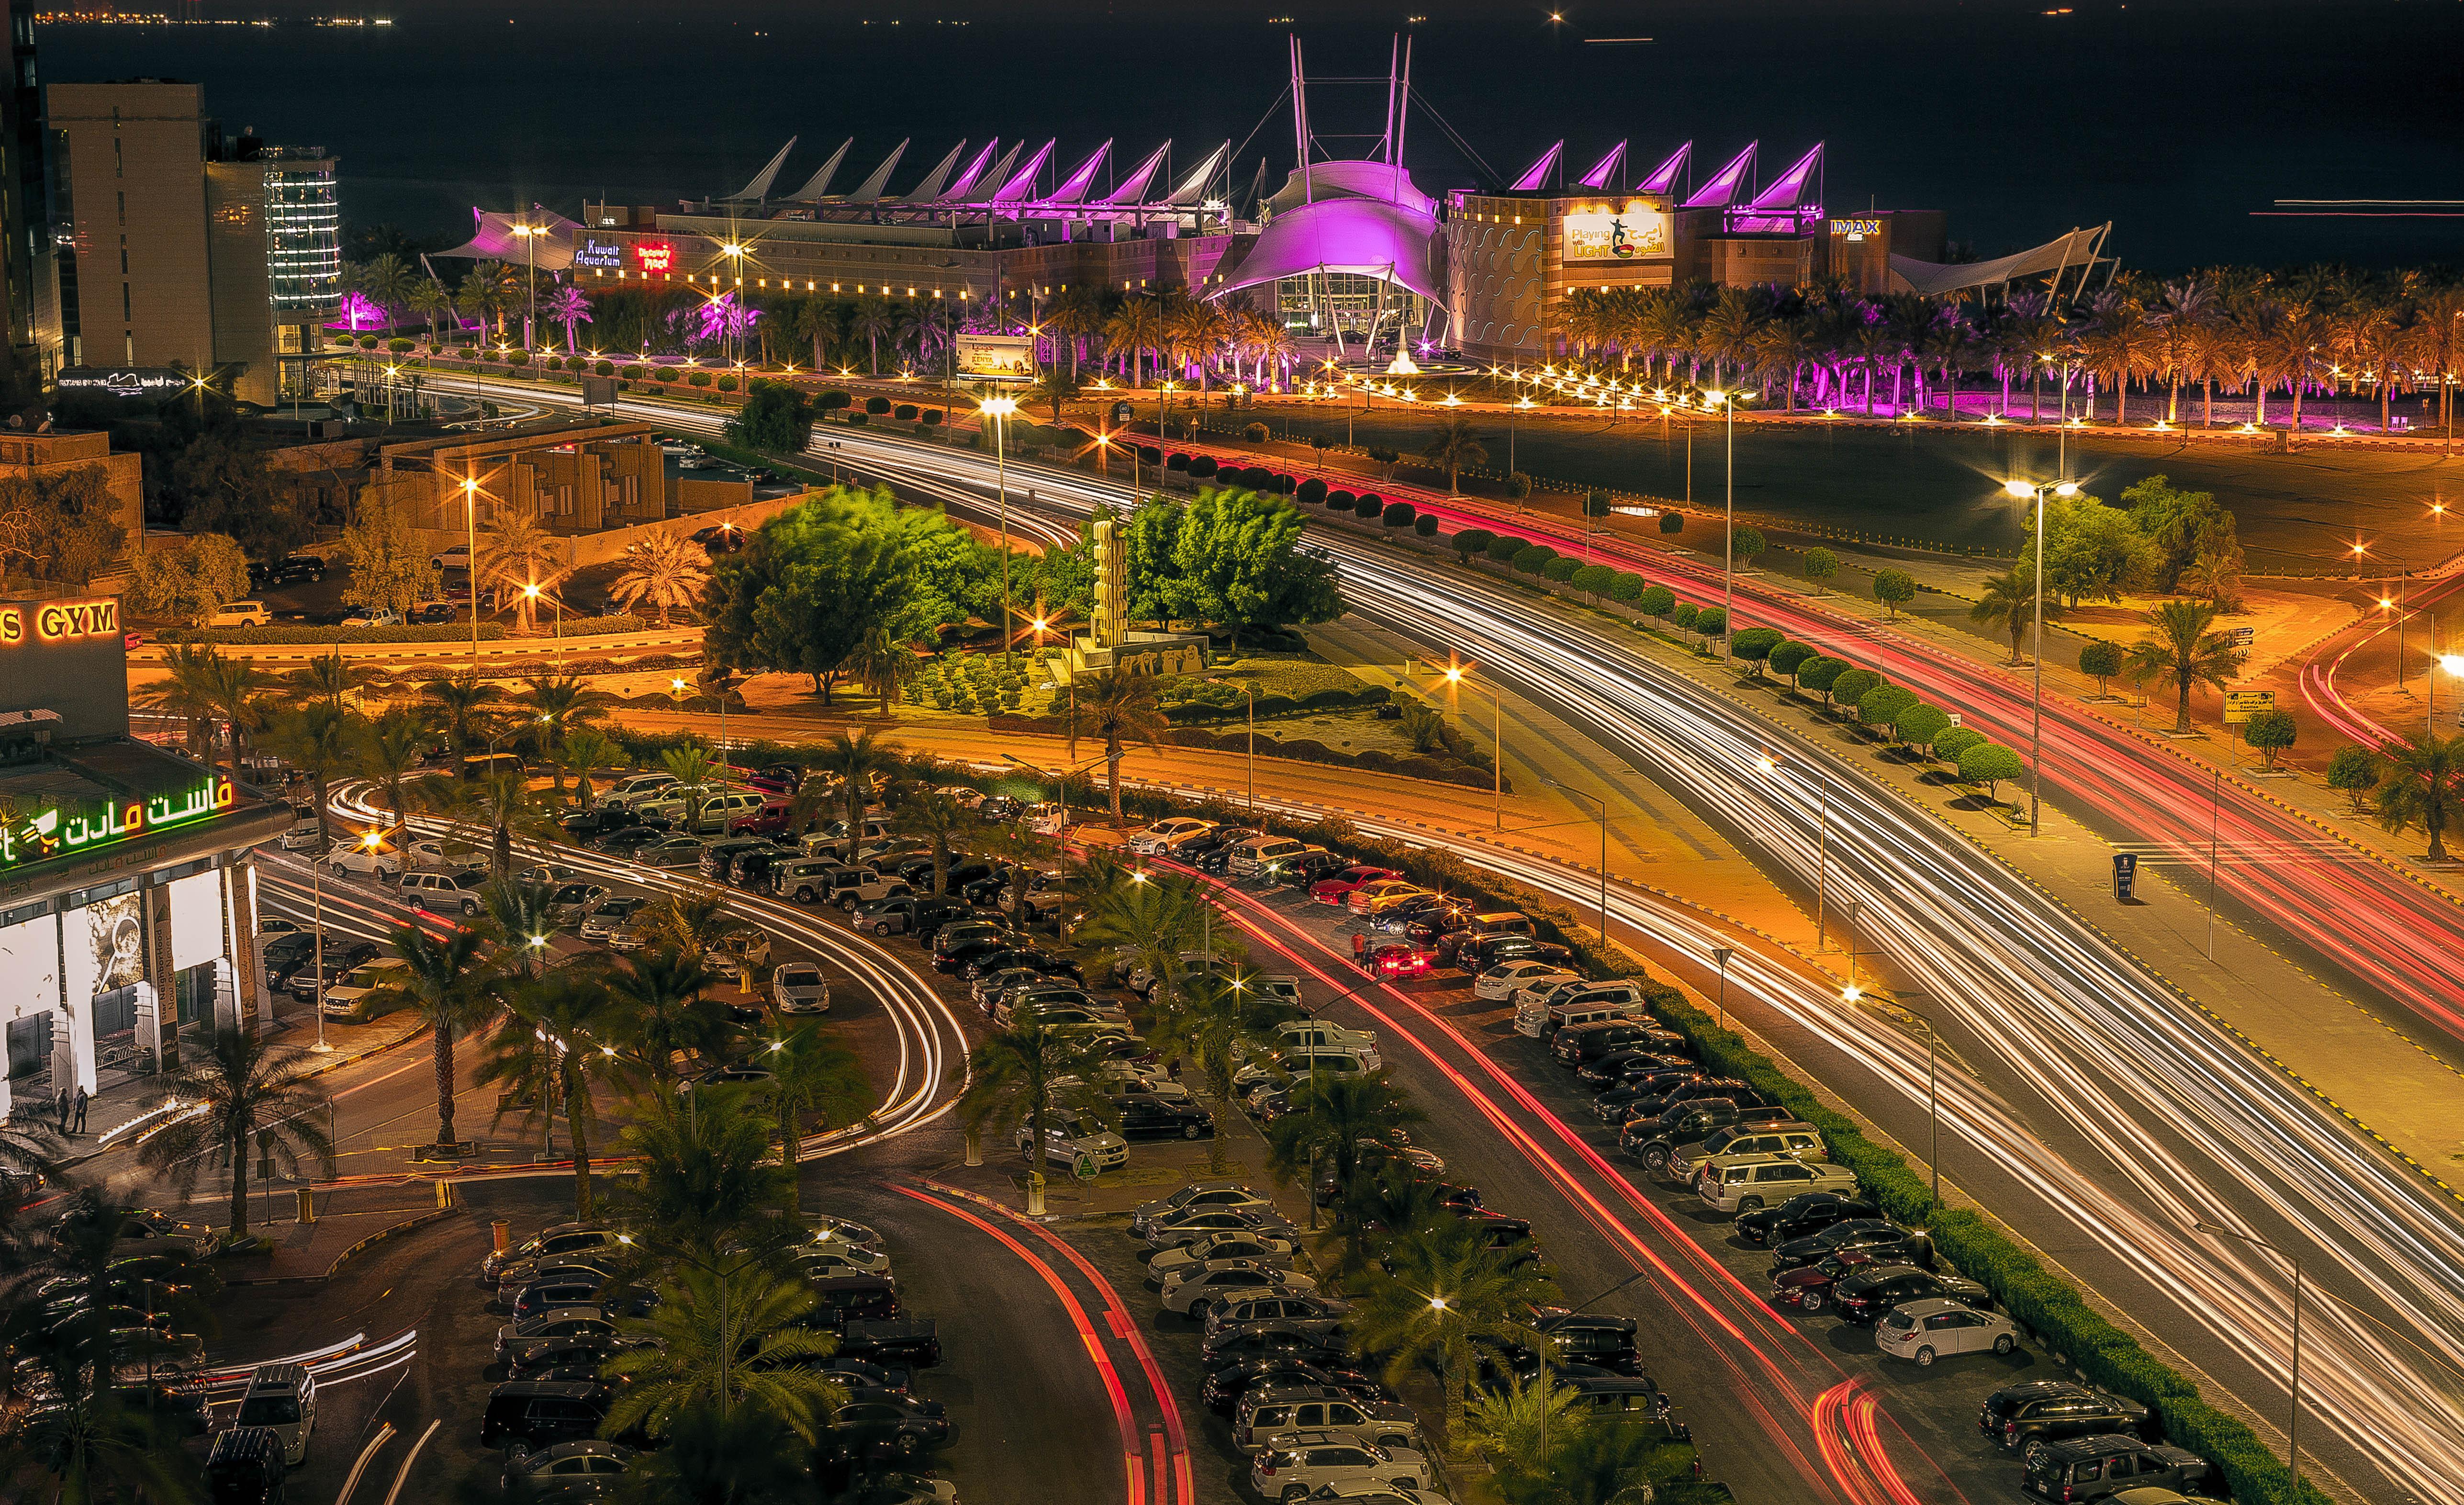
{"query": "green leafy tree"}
pixel 446 980
pixel 1470 541
pixel 808 584
pixel 2101 660
pixel 1454 446
pixel 2181 652
pixel 1822 568
pixel 2421 782
pixel 1851 687
pixel 1821 674
pixel 1947 745
pixel 1230 556
pixel 1593 580
pixel 1894 589
pixel 1018 1077
pixel 63 527
pixel 2093 552
pixel 188 585
pixel 668 572
pixel 696 775
pixel 813 1074
pixel 1920 724
pixel 1749 545
pixel 1711 621
pixel 556 706
pixel 1505 1428
pixel 225 489
pixel 388 753
pixel 1790 657
pixel 1627 587
pixel 2354 770
pixel 727 1341
pixel 2270 732
pixel 2179 526
pixel 1618 1461
pixel 326 679
pixel 243 1096
pixel 776 416
pixel 1988 763
pixel 390 566
pixel 1658 601
pixel 586 752
pixel 1138 918
pixel 1881 707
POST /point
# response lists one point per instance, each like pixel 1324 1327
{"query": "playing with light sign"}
pixel 86 824
pixel 1615 238
pixel 59 621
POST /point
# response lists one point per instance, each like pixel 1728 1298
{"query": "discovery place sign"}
pixel 81 827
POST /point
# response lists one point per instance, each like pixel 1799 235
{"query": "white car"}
pixel 737 950
pixel 240 613
pixel 630 934
pixel 1327 1036
pixel 1071 1136
pixel 1923 1331
pixel 304 835
pixel 1260 1248
pixel 826 1256
pixel 613 913
pixel 1504 979
pixel 1168 835
pixel 352 859
pixel 1201 1288
pixel 635 788
pixel 1293 1466
pixel 458 557
pixel 799 987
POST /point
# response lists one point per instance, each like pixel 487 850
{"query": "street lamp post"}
pixel 999 410
pixel 471 562
pixel 2292 1422
pixel 2024 490
pixel 1497 750
pixel 1727 405
pixel 1721 955
pixel 530 235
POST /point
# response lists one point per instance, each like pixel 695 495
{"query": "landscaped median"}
pixel 408 633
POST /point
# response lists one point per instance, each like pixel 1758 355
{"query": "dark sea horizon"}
pixel 2182 124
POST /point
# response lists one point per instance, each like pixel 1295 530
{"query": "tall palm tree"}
pixel 185 691
pixel 1445 1293
pixel 586 752
pixel 2180 651
pixel 696 775
pixel 560 705
pixel 667 570
pixel 523 562
pixel 812 1071
pixel 550 1049
pixel 1210 1027
pixel 500 800
pixel 1336 1124
pixel 433 305
pixel 1016 1077
pixel 446 980
pixel 853 761
pixel 2421 782
pixel 2121 345
pixel 663 998
pixel 940 822
pixel 518 917
pixel 1596 1462
pixel 1455 447
pixel 324 740
pixel 388 750
pixel 387 281
pixel 687 923
pixel 738 1340
pixel 819 320
pixel 1138 918
pixel 1132 330
pixel 466 709
pixel 1117 709
pixel 99 1445
pixel 244 1095
pixel 568 305
pixel 2009 601
pixel 329 679
pixel 874 319
pixel 887 664
pixel 712 1457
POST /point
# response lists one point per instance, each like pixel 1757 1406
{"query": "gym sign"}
pixel 89 824
pixel 58 621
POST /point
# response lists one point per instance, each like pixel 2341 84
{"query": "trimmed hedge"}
pixel 1627 587
pixel 1658 601
pixel 408 633
pixel 1754 645
pixel 1399 514
pixel 1531 559
pixel 1593 580
pixel 1425 526
pixel 1203 466
pixel 1340 500
pixel 1470 541
pixel 1502 547
pixel 1851 686
pixel 1311 493
pixel 1949 745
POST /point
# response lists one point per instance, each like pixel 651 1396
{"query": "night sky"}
pixel 2176 121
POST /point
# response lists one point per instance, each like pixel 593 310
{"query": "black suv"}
pixel 1848 1233
pixel 1863 1298
pixel 1579 1045
pixel 290 569
pixel 525 1415
pixel 2098 1468
pixel 1148 1118
pixel 2050 1411
pixel 1656 1142
pixel 341 961
pixel 1804 1214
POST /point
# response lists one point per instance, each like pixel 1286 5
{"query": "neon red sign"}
pixel 654 256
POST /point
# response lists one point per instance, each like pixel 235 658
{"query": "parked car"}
pixel 357 858
pixel 1200 1288
pixel 626 840
pixel 1200 1196
pixel 609 914
pixel 799 987
pixel 572 903
pixel 1068 1136
pixel 1270 1410
pixel 1806 1213
pixel 1247 1361
pixel 353 998
pixel 636 788
pixel 1317 1317
pixel 2049 1411
pixel 441 893
pixel 1866 1297
pixel 1168 834
pixel 1875 1235
pixel 1500 982
pixel 581 1469
pixel 307 984
pixel 1148 1117
pixel 1335 887
pixel 2081 1469
pixel 1256 1245
pixel 1743 1183
pixel 1189 1228
pixel 881 1426
pixel 1706 1129
pixel 517 1340
pixel 1929 1328
pixel 742 949
pixel 240 613
pixel 524 1416
pixel 1294 1466
pixel 288 570
pixel 674 851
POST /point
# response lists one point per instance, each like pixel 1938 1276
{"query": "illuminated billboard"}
pixel 995 358
pixel 75 826
pixel 59 621
pixel 654 256
pixel 1639 233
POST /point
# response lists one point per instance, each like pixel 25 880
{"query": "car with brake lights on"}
pixel 1807 1213
pixel 1866 1298
pixel 1399 959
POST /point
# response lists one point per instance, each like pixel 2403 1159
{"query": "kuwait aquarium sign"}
pixel 83 826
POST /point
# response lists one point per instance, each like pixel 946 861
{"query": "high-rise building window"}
pixel 304 245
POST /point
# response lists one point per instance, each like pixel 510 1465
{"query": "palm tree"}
pixel 501 800
pixel 568 305
pixel 521 558
pixel 1506 1429
pixel 2009 601
pixel 445 980
pixel 1455 447
pixel 1138 918
pixel 182 692
pixel 1051 387
pixel 712 1457
pixel 812 1071
pixel 465 710
pixel 687 923
pixel 517 916
pixel 1118 708
pixel 1591 1463
pixel 388 749
pixel 243 1094
pixel 667 571
pixel 818 319
pixel 100 1447
pixel 324 740
pixel 938 820
pixel 853 761
pixel 548 1052
pixel 1338 1124
pixel 2121 346
pixel 560 705
pixel 329 679
pixel 1395 1202
pixel 885 664
pixel 1017 1077
pixel 585 752
pixel 2179 650
pixel 1212 1027
pixel 387 281
pixel 874 318
pixel 2421 782
pixel 1445 1292
pixel 1017 844
pixel 662 996
pixel 1132 331
pixel 206 687
pixel 696 775
pixel 736 1341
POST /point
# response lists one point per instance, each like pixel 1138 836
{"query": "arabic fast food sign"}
pixel 86 825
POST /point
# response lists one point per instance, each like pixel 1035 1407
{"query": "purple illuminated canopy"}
pixel 1366 236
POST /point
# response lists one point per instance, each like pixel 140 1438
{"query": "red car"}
pixel 1398 959
pixel 770 820
pixel 1810 1286
pixel 1337 887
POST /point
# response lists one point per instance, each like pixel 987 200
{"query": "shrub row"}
pixel 409 633
pixel 1197 712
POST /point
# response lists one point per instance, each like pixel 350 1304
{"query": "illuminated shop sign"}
pixel 59 621
pixel 1856 228
pixel 1639 233
pixel 88 824
pixel 654 256
pixel 593 251
pixel 123 381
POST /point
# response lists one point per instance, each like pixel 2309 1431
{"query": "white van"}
pixel 284 1397
pixel 1258 852
pixel 1588 1003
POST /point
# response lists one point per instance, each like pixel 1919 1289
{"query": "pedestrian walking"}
pixel 60 1108
pixel 82 1099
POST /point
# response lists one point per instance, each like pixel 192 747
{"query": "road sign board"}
pixel 2240 705
pixel 2240 636
pixel 1084 1166
pixel 2125 874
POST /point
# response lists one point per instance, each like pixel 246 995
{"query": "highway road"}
pixel 2131 1119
